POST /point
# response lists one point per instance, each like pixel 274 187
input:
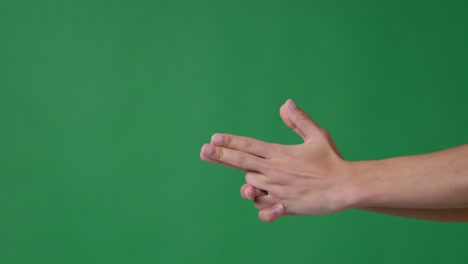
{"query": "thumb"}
pixel 298 120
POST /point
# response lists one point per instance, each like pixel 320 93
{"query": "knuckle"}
pixel 241 159
pixel 220 153
pixel 228 140
pixel 325 135
pixel 248 144
pixel 281 192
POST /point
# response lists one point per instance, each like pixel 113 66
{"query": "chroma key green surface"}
pixel 104 106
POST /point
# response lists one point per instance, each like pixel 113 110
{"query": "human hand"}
pixel 306 179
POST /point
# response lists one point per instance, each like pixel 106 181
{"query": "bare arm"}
pixel 436 180
pixel 313 178
pixel 440 215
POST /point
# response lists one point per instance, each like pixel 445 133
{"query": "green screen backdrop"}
pixel 104 106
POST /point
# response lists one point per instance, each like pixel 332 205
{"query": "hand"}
pixel 307 179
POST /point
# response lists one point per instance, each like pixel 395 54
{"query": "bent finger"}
pixel 272 213
pixel 257 180
pixel 264 201
pixel 249 192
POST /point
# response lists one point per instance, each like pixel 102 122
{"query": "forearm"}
pixel 436 180
pixel 440 215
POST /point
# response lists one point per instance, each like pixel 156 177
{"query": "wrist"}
pixel 362 186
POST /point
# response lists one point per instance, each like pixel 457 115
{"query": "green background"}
pixel 104 106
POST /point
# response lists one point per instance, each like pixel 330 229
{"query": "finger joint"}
pixel 241 159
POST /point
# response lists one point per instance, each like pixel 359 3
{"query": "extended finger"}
pixel 298 120
pixel 205 158
pixel 245 144
pixel 234 158
pixel 284 109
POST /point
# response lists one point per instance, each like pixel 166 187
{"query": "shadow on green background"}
pixel 104 106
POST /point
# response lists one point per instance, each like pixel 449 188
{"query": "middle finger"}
pixel 235 158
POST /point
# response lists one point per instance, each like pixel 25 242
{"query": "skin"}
pixel 313 178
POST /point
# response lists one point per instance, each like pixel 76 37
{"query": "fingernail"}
pixel 208 149
pixel 217 139
pixel 247 194
pixel 278 209
pixel 291 104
